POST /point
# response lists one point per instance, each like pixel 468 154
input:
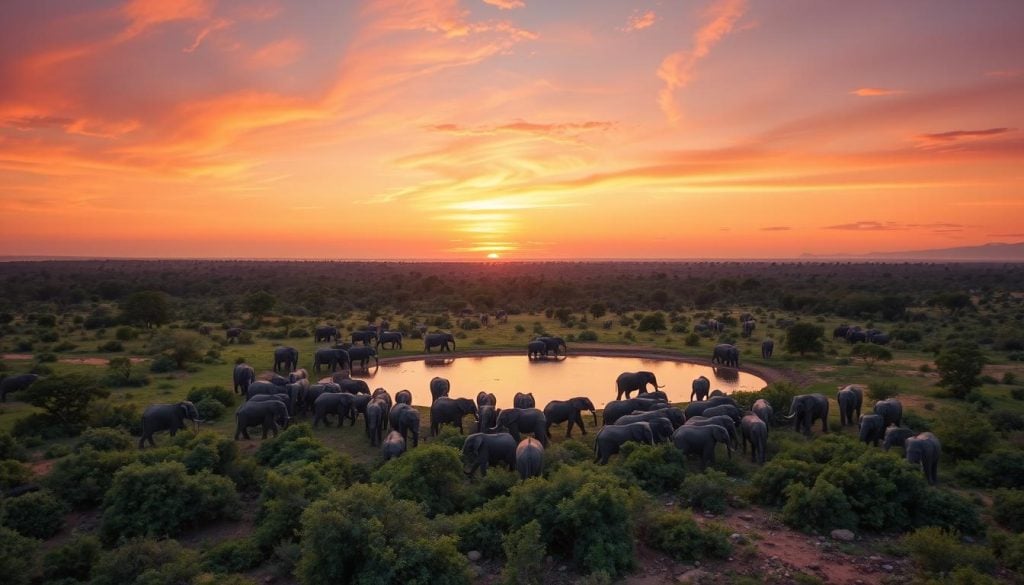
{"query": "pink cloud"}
pixel 876 92
pixel 506 4
pixel 640 21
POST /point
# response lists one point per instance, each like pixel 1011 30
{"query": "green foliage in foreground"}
pixel 17 557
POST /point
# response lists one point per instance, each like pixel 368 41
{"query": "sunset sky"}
pixel 523 128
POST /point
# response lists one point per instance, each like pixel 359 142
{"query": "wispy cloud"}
pixel 952 136
pixel 677 69
pixel 776 228
pixel 876 92
pixel 640 21
pixel 544 129
pixel 891 226
pixel 1005 73
pixel 506 4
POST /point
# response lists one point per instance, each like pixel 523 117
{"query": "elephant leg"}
pixel 579 422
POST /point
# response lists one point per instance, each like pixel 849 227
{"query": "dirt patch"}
pixel 82 361
pixel 16 356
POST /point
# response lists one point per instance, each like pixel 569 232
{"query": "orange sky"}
pixel 527 128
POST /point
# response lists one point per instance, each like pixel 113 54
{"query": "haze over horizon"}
pixel 454 130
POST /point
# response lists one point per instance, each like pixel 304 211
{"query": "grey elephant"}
pixel 612 437
pixel 721 420
pixel 728 410
pixel 748 327
pixel 375 418
pixel 447 410
pixel 559 411
pixel 268 397
pixel 16 384
pixel 871 429
pixel 764 411
pixel 359 403
pixel 628 382
pixel 442 340
pixel 672 414
pixel 392 338
pixel 363 355
pixel 524 400
pixel 403 397
pixel 439 387
pixel 523 420
pixel 271 415
pixel 754 431
pixel 896 437
pixel 925 449
pixel 325 333
pixel 536 349
pixel 167 417
pixel 334 357
pixel 697 408
pixel 486 398
pixel 553 345
pixel 891 410
pixel 366 337
pixel 661 429
pixel 529 458
pixel 405 419
pixel 807 408
pixel 726 354
pixel 353 385
pixel 701 440
pixel 393 445
pixel 849 400
pixel 286 359
pixel 484 450
pixel 262 387
pixel 298 374
pixel 241 377
pixel 767 349
pixel 340 404
pixel 616 409
pixel 487 416
pixel 701 388
pixel 314 391
pixel 233 334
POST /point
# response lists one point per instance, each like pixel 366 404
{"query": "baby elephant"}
pixel 393 445
pixel 529 458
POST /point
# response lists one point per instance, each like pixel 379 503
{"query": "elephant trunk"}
pixel 594 412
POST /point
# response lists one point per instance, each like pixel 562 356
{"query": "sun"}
pixel 493 256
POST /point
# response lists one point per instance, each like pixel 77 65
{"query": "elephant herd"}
pixel 854 334
pixel 544 346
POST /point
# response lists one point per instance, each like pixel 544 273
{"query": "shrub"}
pixel 56 451
pixel 1008 548
pixel 232 556
pixel 1008 509
pixel 210 409
pixel 652 322
pixel 692 340
pixel 880 488
pixel 587 335
pixel 10 448
pixel 40 427
pixel 121 372
pixel 17 557
pixel 126 333
pixel 163 364
pixel 705 491
pixel 604 543
pixel 965 434
pixel 959 367
pixel 484 528
pixel 936 550
pixel 72 560
pixel 524 551
pixel 35 514
pixel 146 561
pixel 219 393
pixel 65 398
pixel 161 499
pixel 207 451
pixel 879 390
pixel 431 475
pixel 520 328
pixel 655 468
pixel 295 444
pixel 111 346
pixel 298 333
pixel 13 473
pixel 770 482
pixel 677 534
pixel 104 439
pixel 1017 393
pixel 1003 467
pixel 948 510
pixel 81 480
pixel 403 549
pixel 120 416
pixel 821 507
pixel 804 338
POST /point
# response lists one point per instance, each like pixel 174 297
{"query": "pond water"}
pixel 561 379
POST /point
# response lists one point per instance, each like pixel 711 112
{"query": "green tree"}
pixel 652 322
pixel 179 345
pixel 598 310
pixel 804 338
pixel 954 302
pixel 871 353
pixel 959 368
pixel 65 398
pixel 259 303
pixel 18 557
pixel 149 308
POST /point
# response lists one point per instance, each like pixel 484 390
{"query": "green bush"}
pixel 431 475
pixel 1008 509
pixel 210 409
pixel 221 394
pixel 400 546
pixel 692 340
pixel 880 487
pixel 295 444
pixel 678 535
pixel 146 562
pixel 111 346
pixel 207 451
pixel 966 434
pixel 587 335
pixel 17 557
pixel 162 499
pixel 41 427
pixel 484 528
pixel 883 390
pixel 65 399
pixel 937 551
pixel 948 510
pixel 13 473
pixel 655 468
pixel 104 439
pixel 82 479
pixel 127 417
pixel 822 507
pixel 770 482
pixel 232 556
pixel 72 560
pixel 36 514
pixel 10 448
pixel 705 491
pixel 524 551
pixel 126 333
pixel 163 364
pixel 1008 548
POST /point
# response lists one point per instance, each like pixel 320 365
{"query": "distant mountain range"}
pixel 994 252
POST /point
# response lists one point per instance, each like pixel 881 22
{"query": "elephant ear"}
pixel 183 407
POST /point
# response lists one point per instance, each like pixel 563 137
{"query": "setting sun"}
pixel 493 256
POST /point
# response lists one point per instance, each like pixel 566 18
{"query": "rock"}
pixel 843 534
pixel 693 576
pixel 474 556
pixel 887 568
pixel 746 517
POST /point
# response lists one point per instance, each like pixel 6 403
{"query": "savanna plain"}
pixel 88 346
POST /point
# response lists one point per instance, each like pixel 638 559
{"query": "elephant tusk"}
pixel 662 386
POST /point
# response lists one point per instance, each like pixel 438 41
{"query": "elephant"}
pixel 764 411
pixel 365 337
pixel 383 395
pixel 896 437
pixel 536 349
pixel 754 431
pixel 313 392
pixel 406 419
pixel 299 374
pixel 268 376
pixel 748 327
pixel 767 349
pixel 394 338
pixel 701 388
pixel 167 417
pixel 268 397
pixel 841 331
pixel 484 450
pixel 521 400
pixel 325 333
pixel 672 414
pixel 205 330
pixel 697 408
pixel 619 408
pixel 879 338
pixel 612 437
pixel 628 382
pixel 486 398
pixel 805 409
pixel 559 411
pixel 340 404
pixel 487 416
pixel 728 410
pixel 517 420
pixel 855 335
pixel 721 420
pixel 359 403
pixel 286 359
pixel 242 376
pixel 262 387
pixel 403 397
pixel 872 428
pixel 334 357
pixel 16 384
pixel 658 395
pixel 529 458
pixel 353 386
pixel 552 344
pixel 393 445
pixel 439 387
pixel 891 410
pixel 446 410
pixel 850 399
pixel 363 355
pixel 375 419
pixel 233 334
pixel 925 449
pixel 701 440
pixel 726 354
pixel 441 340
pixel 269 414
pixel 661 429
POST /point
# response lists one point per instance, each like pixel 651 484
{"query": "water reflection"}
pixel 560 379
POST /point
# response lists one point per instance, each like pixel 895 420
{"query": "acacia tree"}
pixel 149 308
pixel 804 338
pixel 65 398
pixel 871 353
pixel 259 303
pixel 959 368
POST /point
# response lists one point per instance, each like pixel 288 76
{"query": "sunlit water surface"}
pixel 549 379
